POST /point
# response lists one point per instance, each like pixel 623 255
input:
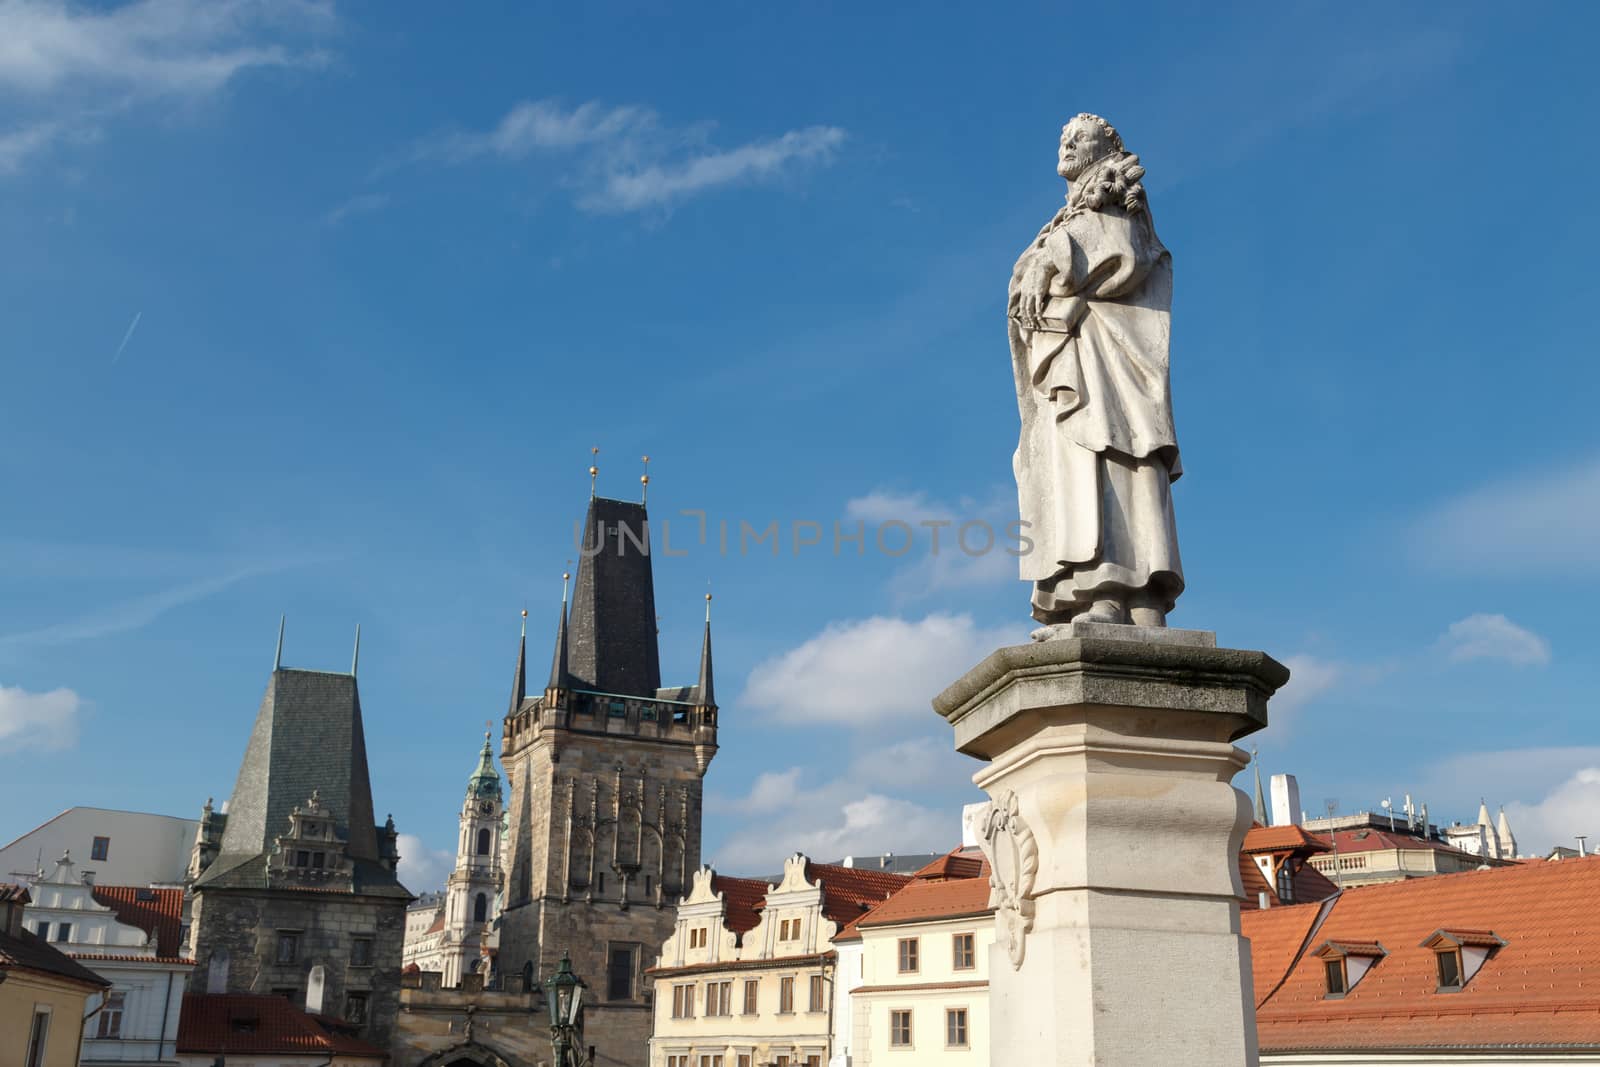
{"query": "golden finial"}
pixel 594 471
pixel 644 480
pixel 566 576
pixel 708 607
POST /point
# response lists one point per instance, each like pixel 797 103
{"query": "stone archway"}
pixel 469 1053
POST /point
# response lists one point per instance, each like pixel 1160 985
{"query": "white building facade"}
pixel 136 1020
pixel 115 847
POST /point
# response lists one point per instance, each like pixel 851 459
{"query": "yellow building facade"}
pixel 44 994
pixel 748 976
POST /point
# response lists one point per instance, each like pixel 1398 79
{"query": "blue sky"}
pixel 317 309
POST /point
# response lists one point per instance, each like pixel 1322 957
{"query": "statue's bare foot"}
pixel 1146 616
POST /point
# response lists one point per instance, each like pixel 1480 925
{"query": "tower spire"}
pixel 1261 800
pixel 704 692
pixel 644 482
pixel 519 682
pixel 558 662
pixel 355 657
pixel 594 469
pixel 277 659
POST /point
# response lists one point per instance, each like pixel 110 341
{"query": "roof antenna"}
pixel 277 659
pixel 594 471
pixel 644 481
pixel 356 656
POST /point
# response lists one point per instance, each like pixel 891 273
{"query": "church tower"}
pixel 471 894
pixel 605 766
pixel 294 888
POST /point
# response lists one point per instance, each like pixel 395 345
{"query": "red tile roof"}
pixel 1282 839
pixel 262 1025
pixel 1538 990
pixel 11 892
pixel 158 912
pixel 742 899
pixel 1310 885
pixel 848 892
pixel 931 901
pixel 1367 840
pixel 957 863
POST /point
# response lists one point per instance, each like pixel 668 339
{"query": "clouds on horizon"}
pixel 1493 637
pixel 625 158
pixel 1538 524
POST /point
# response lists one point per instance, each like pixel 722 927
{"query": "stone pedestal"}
pixel 1114 833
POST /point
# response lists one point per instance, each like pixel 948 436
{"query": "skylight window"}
pixel 1459 954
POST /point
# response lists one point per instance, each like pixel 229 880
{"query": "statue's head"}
pixel 1084 141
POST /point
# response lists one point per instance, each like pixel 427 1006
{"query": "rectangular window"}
pixel 288 947
pixel 813 1061
pixel 744 1059
pixel 101 850
pixel 908 955
pixel 318 859
pixel 751 986
pixel 63 931
pixel 361 952
pixel 355 1008
pixel 900 1029
pixel 42 930
pixel 1449 970
pixel 955 1027
pixel 302 858
pixel 683 1001
pixel 710 1061
pixel 619 971
pixel 38 1038
pixel 963 952
pixel 111 1016
pixel 785 996
pixel 1334 969
pixel 818 997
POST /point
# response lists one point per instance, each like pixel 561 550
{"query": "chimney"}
pixel 1286 810
pixel 1263 900
pixel 1582 850
pixel 13 899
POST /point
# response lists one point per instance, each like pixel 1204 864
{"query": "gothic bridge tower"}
pixel 605 767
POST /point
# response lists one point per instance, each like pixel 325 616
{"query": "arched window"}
pixel 480 908
pixel 483 841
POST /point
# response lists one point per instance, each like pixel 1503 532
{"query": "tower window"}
pixel 619 971
pixel 361 952
pixel 483 841
pixel 480 908
pixel 288 947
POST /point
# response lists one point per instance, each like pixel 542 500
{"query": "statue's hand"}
pixel 1033 293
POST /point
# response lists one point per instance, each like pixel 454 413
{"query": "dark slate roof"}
pixel 30 953
pixel 612 635
pixel 307 736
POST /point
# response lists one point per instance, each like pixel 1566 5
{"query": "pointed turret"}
pixel 705 694
pixel 519 681
pixel 1491 836
pixel 1508 841
pixel 1261 799
pixel 485 780
pixel 560 677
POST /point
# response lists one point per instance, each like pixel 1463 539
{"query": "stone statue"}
pixel 1090 319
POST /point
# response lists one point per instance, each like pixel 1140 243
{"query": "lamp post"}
pixel 564 994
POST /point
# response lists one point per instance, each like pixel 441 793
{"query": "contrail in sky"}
pixel 134 325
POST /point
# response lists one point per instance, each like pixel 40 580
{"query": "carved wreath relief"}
pixel 1013 857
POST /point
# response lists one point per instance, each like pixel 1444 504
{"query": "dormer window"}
pixel 1458 955
pixel 1345 963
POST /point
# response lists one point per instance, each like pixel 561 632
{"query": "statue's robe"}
pixel 1098 452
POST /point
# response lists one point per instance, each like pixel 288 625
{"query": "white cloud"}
pixel 1309 678
pixel 138 612
pixel 624 158
pixel 863 672
pixel 1493 637
pixel 658 184
pixel 1543 523
pixel 69 66
pixel 161 46
pixel 361 204
pixel 1571 808
pixel 423 869
pixel 959 546
pixel 829 821
pixel 38 720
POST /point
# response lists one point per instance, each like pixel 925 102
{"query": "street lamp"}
pixel 564 994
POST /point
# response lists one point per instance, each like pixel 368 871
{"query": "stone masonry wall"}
pixel 246 925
